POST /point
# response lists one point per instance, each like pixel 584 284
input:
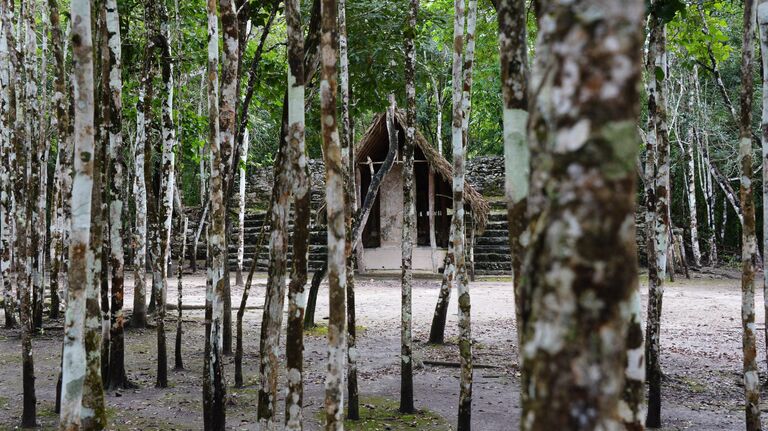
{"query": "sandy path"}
pixel 701 358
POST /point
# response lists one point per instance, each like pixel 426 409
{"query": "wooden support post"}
pixel 432 238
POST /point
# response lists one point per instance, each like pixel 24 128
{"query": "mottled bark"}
pixel 40 168
pixel 350 203
pixel 164 197
pixel 178 359
pixel 143 167
pixel 214 386
pixel 227 128
pixel 7 157
pixel 73 369
pixel 63 180
pixel 117 166
pixel 748 237
pixel 762 20
pixel 580 272
pixel 409 215
pixel 297 298
pixel 689 151
pixel 658 206
pixel 458 140
pixel 334 198
pixel 513 55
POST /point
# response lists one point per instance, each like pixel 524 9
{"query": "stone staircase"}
pixel 491 251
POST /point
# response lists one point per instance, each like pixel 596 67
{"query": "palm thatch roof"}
pixel 377 135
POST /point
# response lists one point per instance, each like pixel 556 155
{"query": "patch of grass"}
pixel 3 403
pixel 496 278
pixel 693 385
pixel 321 330
pixel 381 414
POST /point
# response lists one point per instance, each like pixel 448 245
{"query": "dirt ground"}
pixel 701 342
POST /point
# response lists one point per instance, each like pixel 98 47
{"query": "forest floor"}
pixel 701 359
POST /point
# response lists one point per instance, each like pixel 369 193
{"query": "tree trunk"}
pixel 659 198
pixel 165 195
pixel 348 161
pixel 409 216
pixel 584 177
pixel 513 53
pixel 40 169
pixel 227 129
pixel 461 105
pixel 7 154
pixel 690 178
pixel 241 211
pixel 762 19
pixel 179 362
pixel 294 344
pixel 63 180
pixel 748 238
pixel 73 369
pixel 143 166
pixel 214 388
pixel 117 375
pixel 334 197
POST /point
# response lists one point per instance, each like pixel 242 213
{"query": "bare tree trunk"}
pixel 748 238
pixel 241 211
pixel 141 174
pixel 7 154
pixel 214 387
pixel 179 362
pixel 63 180
pixel 437 329
pixel 334 196
pixel 73 368
pixel 165 195
pixel 348 161
pixel 690 179
pixel 514 86
pixel 117 375
pixel 659 198
pixel 762 19
pixel 461 105
pixel 409 216
pixel 227 129
pixel 294 344
pixel 560 343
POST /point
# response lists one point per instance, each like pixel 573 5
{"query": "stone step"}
pixel 492 257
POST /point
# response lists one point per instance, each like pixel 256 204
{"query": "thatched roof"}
pixel 377 133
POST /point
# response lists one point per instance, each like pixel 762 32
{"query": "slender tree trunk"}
pixel 179 362
pixel 227 130
pixel 564 312
pixel 690 172
pixel 73 369
pixel 25 204
pixel 334 196
pixel 348 161
pixel 214 388
pixel 7 155
pixel 409 215
pixel 272 318
pixel 513 54
pixel 142 171
pixel 461 90
pixel 748 238
pixel 294 345
pixel 241 211
pixel 437 329
pixel 165 195
pixel 41 171
pixel 60 235
pixel 117 374
pixel 660 198
pixel 709 199
pixel 762 19
pixel 243 303
pixel 93 415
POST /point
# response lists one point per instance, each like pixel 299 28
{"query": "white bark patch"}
pixel 516 154
pixel 573 138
